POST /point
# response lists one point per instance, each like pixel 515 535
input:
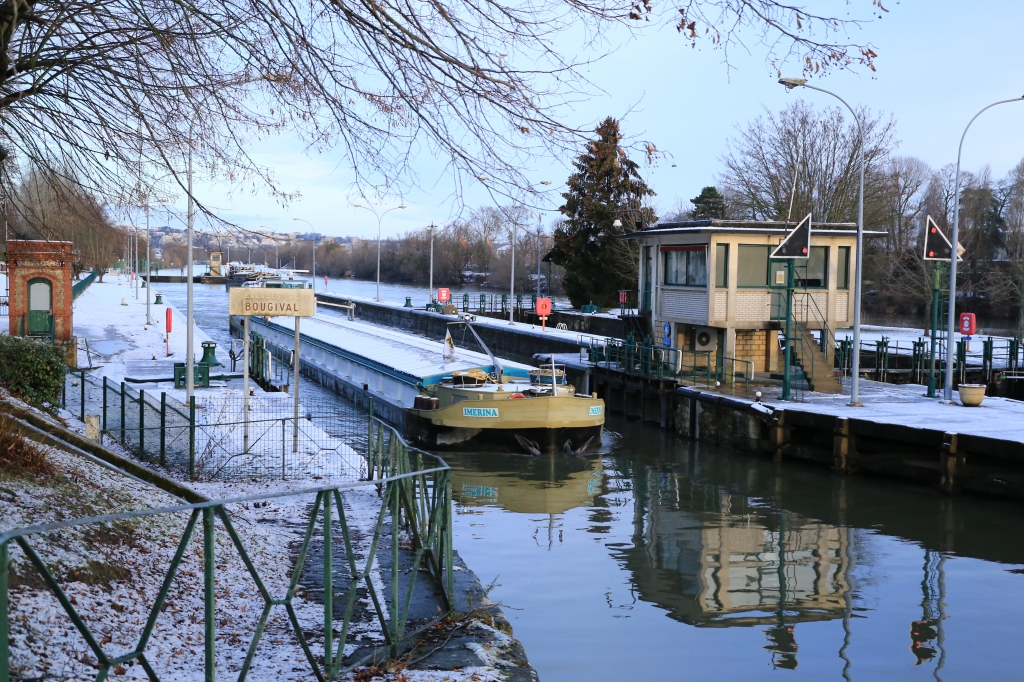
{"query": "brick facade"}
pixel 28 260
pixel 759 346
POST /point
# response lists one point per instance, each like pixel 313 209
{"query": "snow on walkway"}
pixel 906 404
pixel 118 335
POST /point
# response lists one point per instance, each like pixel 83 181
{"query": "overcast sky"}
pixel 939 62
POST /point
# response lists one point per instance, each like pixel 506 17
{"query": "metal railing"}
pixel 214 438
pixel 83 284
pixel 699 368
pixel 414 489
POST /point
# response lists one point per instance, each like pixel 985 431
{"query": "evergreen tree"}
pixel 605 187
pixel 709 204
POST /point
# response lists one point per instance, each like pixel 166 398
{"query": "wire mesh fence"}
pixel 220 436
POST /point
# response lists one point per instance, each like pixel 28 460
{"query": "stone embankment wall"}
pixel 953 462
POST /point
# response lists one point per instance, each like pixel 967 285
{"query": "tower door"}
pixel 40 307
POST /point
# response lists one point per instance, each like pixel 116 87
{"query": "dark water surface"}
pixel 659 559
pixel 663 559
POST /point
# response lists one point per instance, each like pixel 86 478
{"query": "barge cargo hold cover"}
pixel 368 361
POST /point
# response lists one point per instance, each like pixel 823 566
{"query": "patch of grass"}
pixel 19 456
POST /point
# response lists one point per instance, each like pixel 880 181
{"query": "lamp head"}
pixel 402 206
pixel 617 223
pixel 358 206
pixel 791 83
pixel 545 182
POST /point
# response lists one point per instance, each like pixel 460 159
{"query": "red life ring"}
pixel 516 395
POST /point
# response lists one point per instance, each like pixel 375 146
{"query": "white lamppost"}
pixel 791 83
pixel 951 319
pixel 149 271
pixel 190 359
pixel 430 287
pixel 314 248
pixel 379 217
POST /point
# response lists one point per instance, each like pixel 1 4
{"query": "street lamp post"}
pixel 430 285
pixel 791 83
pixel 512 282
pixel 190 360
pixel 314 247
pixel 951 319
pixel 149 271
pixel 379 217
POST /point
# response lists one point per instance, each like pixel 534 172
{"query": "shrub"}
pixel 20 456
pixel 32 370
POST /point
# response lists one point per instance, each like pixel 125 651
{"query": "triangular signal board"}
pixel 798 243
pixel 936 245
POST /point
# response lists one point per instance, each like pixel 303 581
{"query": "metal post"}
pixel 512 278
pixel 142 420
pixel 791 83
pixel 935 324
pixel 245 382
pixel 209 596
pixel 149 270
pixel 190 379
pixel 295 391
pixel 430 286
pixel 954 237
pixel 104 406
pixel 789 331
pixel 192 437
pixel 538 262
pixel 122 411
pixel 5 628
pixel 329 587
pixel 163 429
pixel 83 395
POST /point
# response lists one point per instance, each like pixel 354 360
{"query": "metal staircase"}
pixel 816 360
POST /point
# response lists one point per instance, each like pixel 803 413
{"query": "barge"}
pixel 465 401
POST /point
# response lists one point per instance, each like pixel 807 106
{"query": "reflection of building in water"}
pixel 716 559
pixel 548 485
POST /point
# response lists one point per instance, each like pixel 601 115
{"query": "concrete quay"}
pixel 898 432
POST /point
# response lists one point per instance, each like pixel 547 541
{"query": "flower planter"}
pixel 971 395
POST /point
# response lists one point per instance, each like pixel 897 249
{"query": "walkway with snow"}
pixel 906 405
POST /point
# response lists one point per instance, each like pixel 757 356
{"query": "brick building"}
pixel 710 285
pixel 41 292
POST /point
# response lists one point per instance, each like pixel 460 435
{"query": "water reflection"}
pixel 527 485
pixel 784 567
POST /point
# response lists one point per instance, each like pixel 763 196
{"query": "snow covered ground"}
pixel 906 404
pixel 114 322
pixel 112 574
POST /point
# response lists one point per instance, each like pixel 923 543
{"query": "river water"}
pixel 654 558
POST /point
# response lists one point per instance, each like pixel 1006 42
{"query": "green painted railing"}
pixel 414 489
pixel 83 284
pixel 700 368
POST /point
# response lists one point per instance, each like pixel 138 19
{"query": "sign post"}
pixel 796 245
pixel 297 303
pixel 936 248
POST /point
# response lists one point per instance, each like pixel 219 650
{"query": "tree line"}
pixel 819 148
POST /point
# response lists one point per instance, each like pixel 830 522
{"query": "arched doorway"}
pixel 40 306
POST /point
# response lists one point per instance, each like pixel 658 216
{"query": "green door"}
pixel 40 299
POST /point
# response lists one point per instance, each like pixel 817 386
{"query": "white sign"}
pixel 479 412
pixel 272 302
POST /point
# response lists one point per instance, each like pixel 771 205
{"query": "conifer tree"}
pixel 708 204
pixel 605 187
